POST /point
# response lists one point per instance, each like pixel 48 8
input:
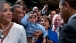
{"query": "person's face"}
pixel 52 14
pixel 39 14
pixel 57 21
pixel 33 18
pixel 45 23
pixel 6 15
pixel 18 14
pixel 36 9
pixel 64 11
pixel 21 3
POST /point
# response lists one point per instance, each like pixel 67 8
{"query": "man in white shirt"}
pixel 56 23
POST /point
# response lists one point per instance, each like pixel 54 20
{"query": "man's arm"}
pixel 24 20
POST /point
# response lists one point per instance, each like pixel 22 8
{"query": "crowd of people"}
pixel 20 25
pixel 36 26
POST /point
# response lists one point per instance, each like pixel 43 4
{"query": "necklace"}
pixel 1 31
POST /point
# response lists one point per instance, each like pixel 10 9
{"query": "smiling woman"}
pixel 51 35
pixel 10 29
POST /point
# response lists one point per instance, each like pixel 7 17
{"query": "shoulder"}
pixel 72 23
pixel 53 36
pixel 40 25
pixel 68 30
pixel 52 32
pixel 18 26
pixel 70 26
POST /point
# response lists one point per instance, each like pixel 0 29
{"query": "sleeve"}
pixel 23 36
pixel 53 36
pixel 24 20
pixel 43 31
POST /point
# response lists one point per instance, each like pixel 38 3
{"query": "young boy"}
pixel 33 29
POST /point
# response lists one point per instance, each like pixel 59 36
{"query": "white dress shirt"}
pixel 57 30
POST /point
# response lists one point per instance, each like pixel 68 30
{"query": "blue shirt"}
pixel 31 28
pixel 52 36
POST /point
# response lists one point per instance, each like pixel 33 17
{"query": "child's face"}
pixel 33 18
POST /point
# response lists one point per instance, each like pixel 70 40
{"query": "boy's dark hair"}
pixel 32 12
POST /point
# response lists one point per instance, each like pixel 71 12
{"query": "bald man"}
pixel 56 23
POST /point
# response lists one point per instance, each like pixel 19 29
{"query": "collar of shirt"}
pixel 71 17
pixel 57 29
